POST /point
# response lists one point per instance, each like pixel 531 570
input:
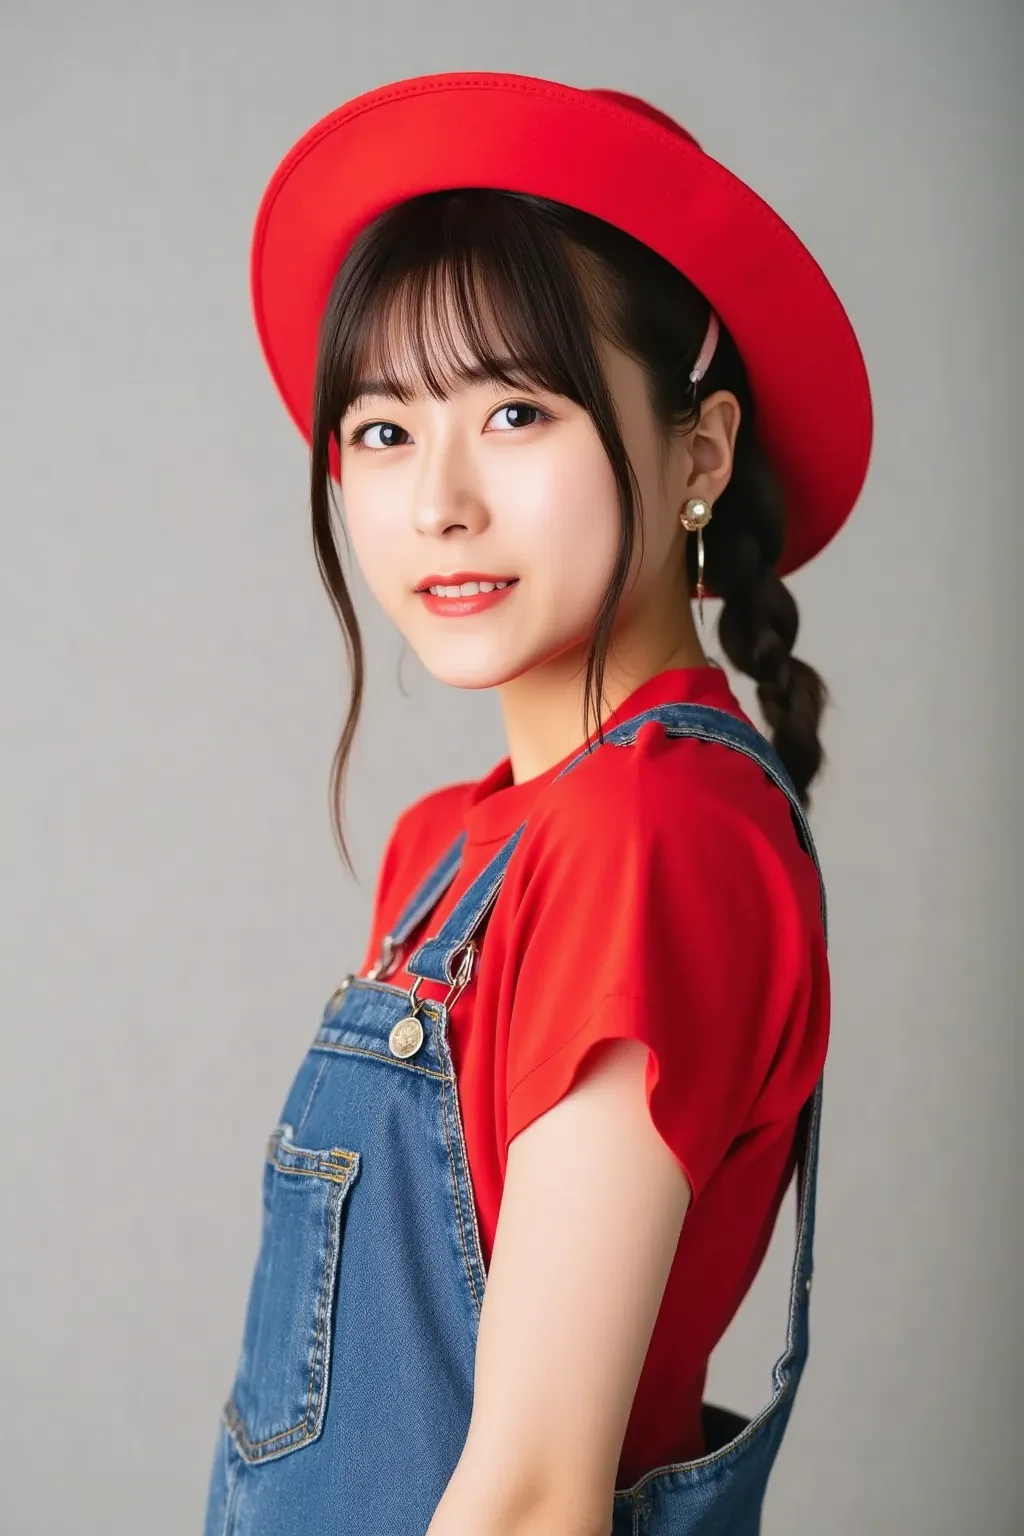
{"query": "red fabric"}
pixel 659 893
pixel 617 157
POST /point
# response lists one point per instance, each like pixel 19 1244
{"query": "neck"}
pixel 543 709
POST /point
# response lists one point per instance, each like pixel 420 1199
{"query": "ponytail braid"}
pixel 759 619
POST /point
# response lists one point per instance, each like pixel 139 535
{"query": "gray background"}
pixel 174 913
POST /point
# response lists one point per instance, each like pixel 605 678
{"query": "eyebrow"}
pixel 475 373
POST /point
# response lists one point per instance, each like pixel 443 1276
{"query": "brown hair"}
pixel 477 282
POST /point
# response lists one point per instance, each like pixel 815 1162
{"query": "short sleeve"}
pixel 665 898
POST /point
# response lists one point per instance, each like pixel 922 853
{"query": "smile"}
pixel 467 588
pixel 467 597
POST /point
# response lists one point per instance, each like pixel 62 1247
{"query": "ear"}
pixel 711 444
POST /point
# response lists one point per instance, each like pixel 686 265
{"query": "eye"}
pixel 521 408
pixel 357 439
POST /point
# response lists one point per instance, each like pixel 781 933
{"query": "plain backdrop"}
pixel 174 911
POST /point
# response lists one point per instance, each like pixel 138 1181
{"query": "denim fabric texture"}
pixel 354 1385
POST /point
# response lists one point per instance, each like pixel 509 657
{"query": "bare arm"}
pixel 590 1217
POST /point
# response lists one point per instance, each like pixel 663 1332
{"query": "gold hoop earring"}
pixel 695 517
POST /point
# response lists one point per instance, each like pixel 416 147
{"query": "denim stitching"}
pixel 389 1061
pixel 784 1365
pixel 303 1424
pixel 301 1430
pixel 477 1246
pixel 343 1176
pixel 457 1194
pixel 456 1188
pixel 474 1239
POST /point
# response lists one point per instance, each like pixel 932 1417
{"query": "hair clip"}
pixel 707 351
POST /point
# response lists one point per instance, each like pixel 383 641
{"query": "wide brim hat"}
pixel 611 155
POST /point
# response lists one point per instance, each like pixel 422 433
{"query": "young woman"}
pixel 568 370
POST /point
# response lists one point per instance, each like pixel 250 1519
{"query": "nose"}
pixel 448 492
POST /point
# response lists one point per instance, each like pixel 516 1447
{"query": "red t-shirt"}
pixel 659 893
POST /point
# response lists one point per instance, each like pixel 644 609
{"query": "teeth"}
pixel 467 589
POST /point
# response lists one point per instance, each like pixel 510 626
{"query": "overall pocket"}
pixel 279 1396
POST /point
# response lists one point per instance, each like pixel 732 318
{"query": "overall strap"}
pixel 423 899
pixel 436 959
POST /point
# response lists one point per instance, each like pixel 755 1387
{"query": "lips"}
pixel 457 578
pixel 467 601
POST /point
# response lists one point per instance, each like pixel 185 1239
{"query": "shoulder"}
pixel 660 893
pixel 667 807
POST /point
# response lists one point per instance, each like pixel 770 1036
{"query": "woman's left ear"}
pixel 712 443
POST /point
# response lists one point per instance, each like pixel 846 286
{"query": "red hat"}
pixel 611 155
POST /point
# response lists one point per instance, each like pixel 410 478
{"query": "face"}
pixel 514 486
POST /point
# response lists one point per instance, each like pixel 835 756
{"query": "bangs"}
pixel 453 288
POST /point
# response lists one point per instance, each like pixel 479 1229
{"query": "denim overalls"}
pixel 353 1392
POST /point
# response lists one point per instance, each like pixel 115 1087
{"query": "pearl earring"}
pixel 695 517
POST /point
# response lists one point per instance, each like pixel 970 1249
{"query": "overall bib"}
pixel 354 1387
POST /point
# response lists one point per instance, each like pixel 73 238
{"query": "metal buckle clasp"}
pixel 458 986
pixel 407 1035
pixel 463 974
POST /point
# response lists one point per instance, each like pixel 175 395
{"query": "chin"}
pixel 457 672
pixel 463 665
pixel 472 661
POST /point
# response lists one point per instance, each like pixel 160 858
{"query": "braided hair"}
pixel 759 619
